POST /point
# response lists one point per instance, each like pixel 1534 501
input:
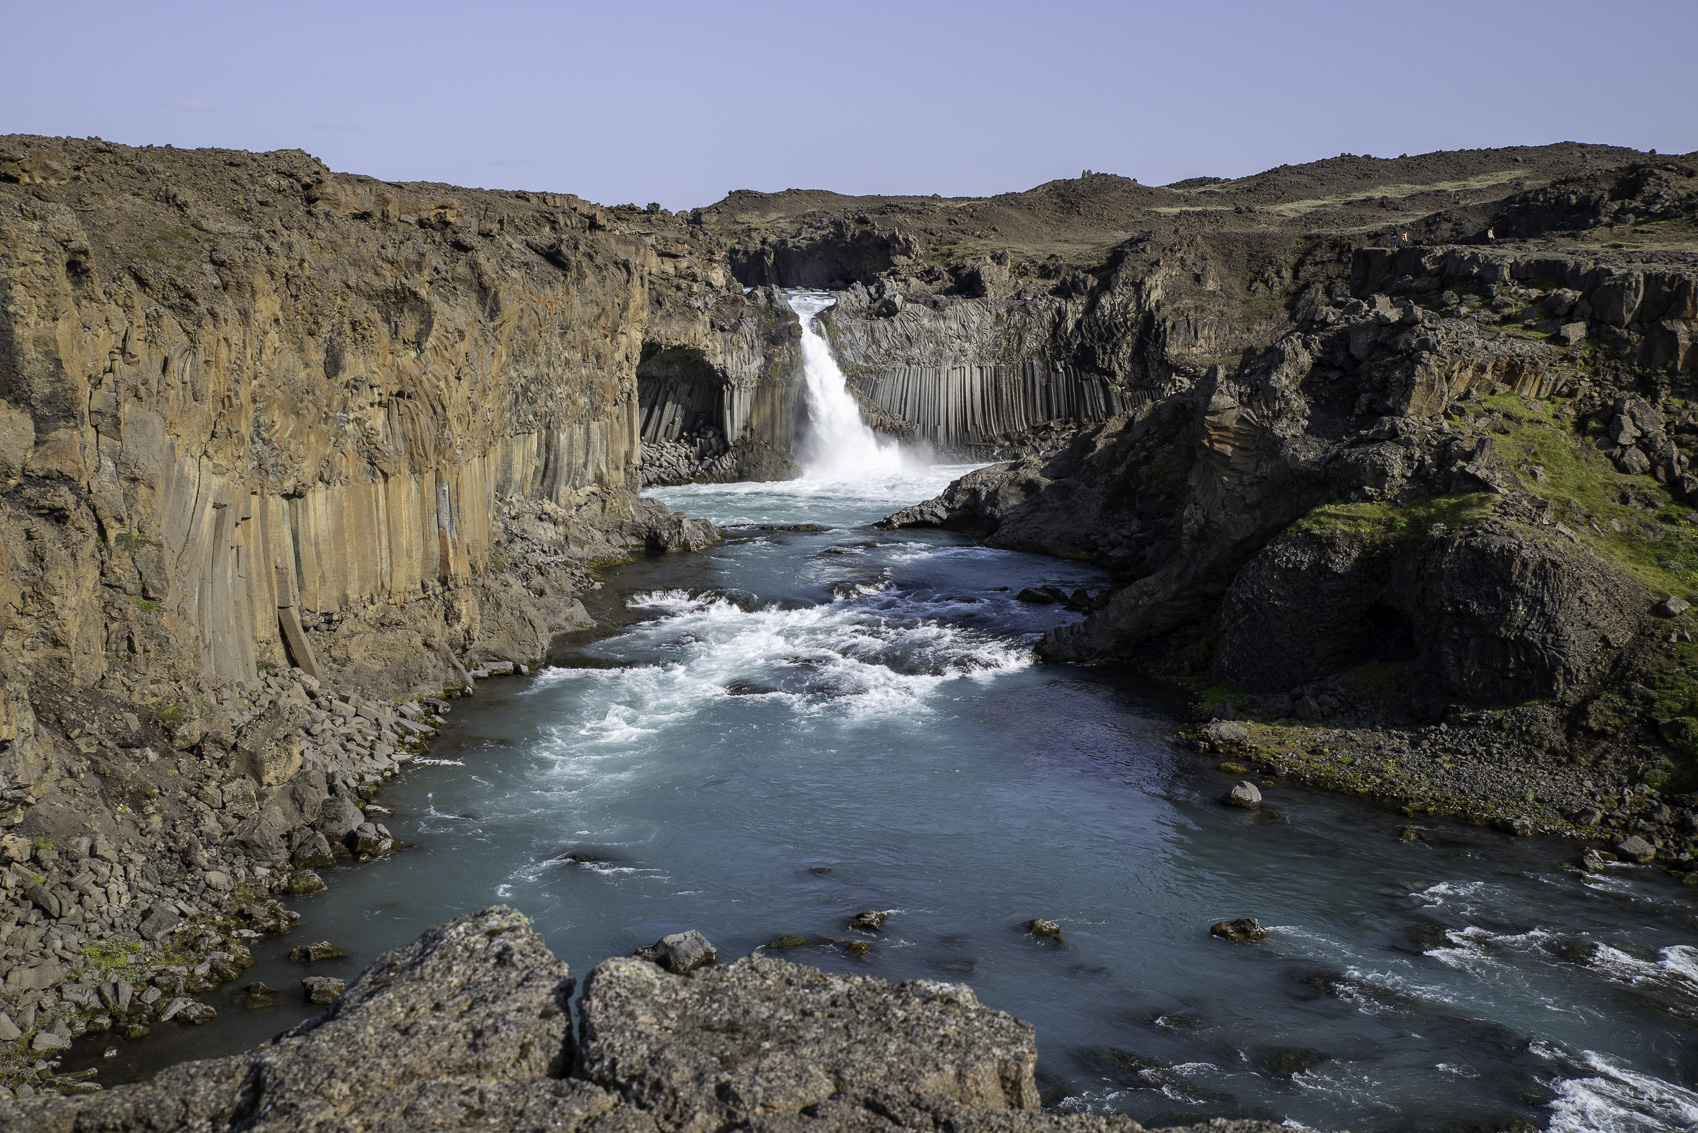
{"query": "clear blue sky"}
pixel 680 102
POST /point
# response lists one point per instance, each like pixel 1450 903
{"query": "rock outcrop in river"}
pixel 470 1027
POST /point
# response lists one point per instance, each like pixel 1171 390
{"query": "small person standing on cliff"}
pixel 1491 234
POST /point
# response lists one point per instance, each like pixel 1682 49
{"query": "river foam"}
pixel 863 655
pixel 805 721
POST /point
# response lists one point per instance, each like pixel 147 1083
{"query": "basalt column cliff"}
pixel 256 414
pixel 274 440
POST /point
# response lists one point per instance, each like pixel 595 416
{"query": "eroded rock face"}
pixel 467 1028
pixel 1504 616
pixel 1187 496
pixel 1493 614
pixel 275 439
pixel 257 414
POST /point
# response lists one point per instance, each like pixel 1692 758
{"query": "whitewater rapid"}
pixel 815 717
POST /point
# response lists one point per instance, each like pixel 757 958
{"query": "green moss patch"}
pixel 1385 522
pixel 110 955
pixel 1656 545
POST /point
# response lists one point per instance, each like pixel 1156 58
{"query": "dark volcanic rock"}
pixel 1491 614
pixel 680 952
pixel 467 1028
pixel 1244 928
pixel 766 1036
pixel 323 989
pixel 473 1008
pixel 317 950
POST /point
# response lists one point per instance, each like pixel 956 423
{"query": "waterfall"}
pixel 839 446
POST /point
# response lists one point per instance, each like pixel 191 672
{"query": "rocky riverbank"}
pixel 115 919
pixel 287 459
pixel 1480 772
pixel 1435 546
pixel 1422 515
pixel 471 1025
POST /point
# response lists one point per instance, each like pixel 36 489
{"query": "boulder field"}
pixel 471 1027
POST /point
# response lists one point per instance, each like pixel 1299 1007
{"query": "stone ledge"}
pixel 468 1027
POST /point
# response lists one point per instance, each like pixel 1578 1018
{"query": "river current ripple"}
pixel 800 724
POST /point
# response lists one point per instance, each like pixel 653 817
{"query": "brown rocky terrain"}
pixel 1449 492
pixel 292 459
pixel 281 449
pixel 979 323
pixel 1386 453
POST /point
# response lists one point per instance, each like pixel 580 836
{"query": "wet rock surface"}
pixel 1240 929
pixel 468 1027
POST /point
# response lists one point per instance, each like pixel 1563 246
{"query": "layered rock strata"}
pixel 470 1027
pixel 281 448
pixel 1469 478
pixel 978 323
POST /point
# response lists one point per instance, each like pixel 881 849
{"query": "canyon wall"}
pixel 255 414
pixel 720 399
pixel 1469 474
pixel 984 366
pixel 969 376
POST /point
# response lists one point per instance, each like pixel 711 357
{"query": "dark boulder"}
pixel 680 952
pixel 1243 928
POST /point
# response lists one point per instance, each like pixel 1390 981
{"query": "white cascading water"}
pixel 839 446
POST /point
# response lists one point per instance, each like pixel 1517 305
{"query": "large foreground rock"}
pixel 470 1016
pixel 466 1028
pixel 766 1036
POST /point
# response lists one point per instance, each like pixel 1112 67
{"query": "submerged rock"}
pixel 317 950
pixel 868 920
pixel 257 995
pixel 1040 927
